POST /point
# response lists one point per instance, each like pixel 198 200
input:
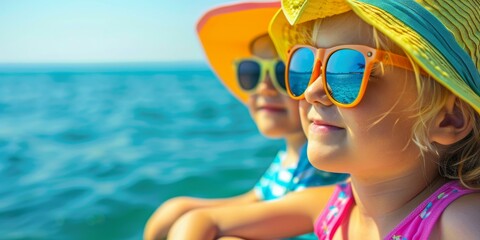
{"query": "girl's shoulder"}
pixel 447 214
pixel 461 219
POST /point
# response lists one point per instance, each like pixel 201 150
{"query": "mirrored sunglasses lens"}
pixel 344 74
pixel 300 70
pixel 280 74
pixel 248 74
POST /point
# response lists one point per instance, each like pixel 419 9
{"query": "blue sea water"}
pixel 90 151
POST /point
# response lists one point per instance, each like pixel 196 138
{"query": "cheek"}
pixel 388 138
pixel 251 106
pixel 304 107
pixel 292 108
pixel 384 119
pixel 394 95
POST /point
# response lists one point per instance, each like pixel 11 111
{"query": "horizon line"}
pixel 109 62
pixel 103 67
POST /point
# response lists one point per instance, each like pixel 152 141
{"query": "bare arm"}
pixel 291 215
pixel 160 222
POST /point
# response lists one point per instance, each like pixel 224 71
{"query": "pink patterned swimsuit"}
pixel 417 225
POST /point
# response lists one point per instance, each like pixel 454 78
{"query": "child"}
pixel 246 62
pixel 390 95
pixel 410 139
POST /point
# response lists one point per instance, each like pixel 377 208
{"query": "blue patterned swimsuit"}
pixel 279 180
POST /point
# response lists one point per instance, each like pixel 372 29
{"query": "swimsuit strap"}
pixel 420 222
pixel 418 225
pixel 333 214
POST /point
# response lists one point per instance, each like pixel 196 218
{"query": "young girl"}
pixel 389 92
pixel 246 62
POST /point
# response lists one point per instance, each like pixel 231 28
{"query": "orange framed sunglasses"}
pixel 345 70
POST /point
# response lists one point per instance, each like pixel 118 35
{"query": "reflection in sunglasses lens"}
pixel 300 70
pixel 248 74
pixel 344 72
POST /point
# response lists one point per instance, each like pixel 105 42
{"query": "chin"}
pixel 326 158
pixel 272 133
pixel 267 127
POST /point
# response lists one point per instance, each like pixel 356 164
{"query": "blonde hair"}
pixel 460 160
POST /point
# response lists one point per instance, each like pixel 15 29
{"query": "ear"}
pixel 451 124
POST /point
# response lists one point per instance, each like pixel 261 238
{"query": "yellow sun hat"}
pixel 441 36
pixel 225 34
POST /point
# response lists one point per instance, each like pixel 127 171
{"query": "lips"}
pixel 321 126
pixel 324 123
pixel 271 108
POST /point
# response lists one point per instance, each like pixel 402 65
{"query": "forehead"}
pixel 346 28
pixel 262 46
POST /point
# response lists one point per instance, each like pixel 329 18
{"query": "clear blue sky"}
pixel 46 31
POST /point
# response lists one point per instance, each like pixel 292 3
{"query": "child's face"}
pixel 376 133
pixel 275 114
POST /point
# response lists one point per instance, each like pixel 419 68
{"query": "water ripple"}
pixel 90 155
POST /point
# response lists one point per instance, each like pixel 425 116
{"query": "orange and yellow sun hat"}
pixel 226 32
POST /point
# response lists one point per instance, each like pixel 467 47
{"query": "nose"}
pixel 266 87
pixel 315 93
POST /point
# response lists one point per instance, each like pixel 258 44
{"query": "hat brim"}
pixel 226 33
pixel 284 31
